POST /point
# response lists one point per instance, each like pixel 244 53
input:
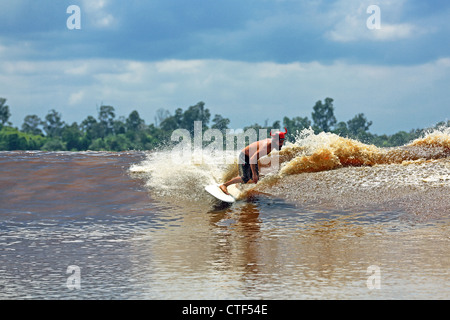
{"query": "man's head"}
pixel 278 138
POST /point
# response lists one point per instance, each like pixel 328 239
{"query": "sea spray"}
pixel 326 151
pixel 309 152
pixel 182 180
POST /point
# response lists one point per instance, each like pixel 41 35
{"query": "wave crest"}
pixel 327 151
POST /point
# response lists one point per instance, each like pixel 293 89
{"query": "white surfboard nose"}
pixel 215 191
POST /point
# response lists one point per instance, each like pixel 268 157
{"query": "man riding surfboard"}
pixel 249 156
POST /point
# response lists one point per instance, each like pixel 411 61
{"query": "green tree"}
pixel 220 123
pixel 399 139
pixel 13 139
pixel 295 125
pixel 4 112
pixel 439 125
pixel 119 125
pixel 53 124
pixel 380 141
pixel 323 115
pixel 161 115
pixel 31 125
pixel 90 127
pixel 155 137
pixel 106 117
pixel 266 127
pixel 98 145
pixel 358 125
pixel 117 143
pixel 196 113
pixel 255 127
pixel 134 122
pixel 184 119
pixel 172 123
pixel 341 129
pixel 54 144
pixel 72 137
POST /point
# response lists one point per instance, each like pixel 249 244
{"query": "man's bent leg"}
pixel 224 186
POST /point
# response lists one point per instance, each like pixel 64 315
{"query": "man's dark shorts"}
pixel 245 172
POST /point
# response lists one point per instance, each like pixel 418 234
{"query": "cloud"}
pixel 352 31
pixel 249 61
pixel 76 98
pixel 393 97
pixel 97 13
pixel 356 24
pixel 281 31
pixel 396 32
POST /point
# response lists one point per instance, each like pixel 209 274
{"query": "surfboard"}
pixel 215 191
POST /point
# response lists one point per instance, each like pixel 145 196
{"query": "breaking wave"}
pixel 327 151
pixel 307 154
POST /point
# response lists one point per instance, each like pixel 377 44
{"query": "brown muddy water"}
pixel 137 226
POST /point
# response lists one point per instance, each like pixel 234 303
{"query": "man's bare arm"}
pixel 261 150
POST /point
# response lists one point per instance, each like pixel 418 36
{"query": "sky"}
pixel 251 61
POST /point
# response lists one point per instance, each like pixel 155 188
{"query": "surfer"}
pixel 249 156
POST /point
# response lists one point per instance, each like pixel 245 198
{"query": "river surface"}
pixel 131 225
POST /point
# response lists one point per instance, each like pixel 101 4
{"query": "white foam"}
pixel 185 179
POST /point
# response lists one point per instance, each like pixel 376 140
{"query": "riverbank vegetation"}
pixel 107 132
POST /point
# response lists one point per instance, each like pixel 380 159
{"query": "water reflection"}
pixel 238 235
pixel 129 244
pixel 254 250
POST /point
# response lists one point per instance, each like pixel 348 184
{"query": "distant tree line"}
pixel 107 132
